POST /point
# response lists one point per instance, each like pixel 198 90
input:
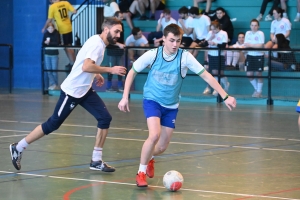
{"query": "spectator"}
pixel 255 59
pixel 263 9
pixel 216 38
pixel 185 22
pixel 286 60
pixel 156 5
pixel 164 20
pixel 284 8
pixel 297 18
pixel 200 28
pixel 52 38
pixel 140 7
pixel 136 39
pixel 234 57
pixel 226 24
pixel 59 12
pixel 115 56
pixel 208 5
pixel 278 25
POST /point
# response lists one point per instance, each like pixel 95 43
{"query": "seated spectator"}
pixel 140 7
pixel 200 28
pixel 115 55
pixel 136 39
pixel 185 22
pixel 226 24
pixel 156 5
pixel 279 25
pixel 297 18
pixel 216 38
pixel 234 57
pixel 263 9
pixel 286 60
pixel 208 5
pixel 164 20
pixel 51 37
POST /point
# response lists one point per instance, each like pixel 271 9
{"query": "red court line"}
pixel 276 192
pixel 68 194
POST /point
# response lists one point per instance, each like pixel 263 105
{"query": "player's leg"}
pixel 95 106
pixel 68 40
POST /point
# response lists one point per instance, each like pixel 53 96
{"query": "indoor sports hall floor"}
pixel 251 153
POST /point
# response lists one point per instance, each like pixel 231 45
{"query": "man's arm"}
pixel 90 67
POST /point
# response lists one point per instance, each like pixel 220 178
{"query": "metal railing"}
pixel 9 68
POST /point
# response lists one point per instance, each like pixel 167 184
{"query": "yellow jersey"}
pixel 60 12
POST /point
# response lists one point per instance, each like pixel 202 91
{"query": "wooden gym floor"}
pixel 252 152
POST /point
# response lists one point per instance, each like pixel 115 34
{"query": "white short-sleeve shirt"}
pixel 138 42
pixel 78 82
pixel 109 10
pixel 200 26
pixel 220 37
pixel 257 37
pixel 281 26
pixel 164 23
pixel 188 23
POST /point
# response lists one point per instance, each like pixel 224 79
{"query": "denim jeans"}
pixel 51 63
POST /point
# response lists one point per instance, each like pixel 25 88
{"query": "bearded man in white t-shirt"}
pixel 76 89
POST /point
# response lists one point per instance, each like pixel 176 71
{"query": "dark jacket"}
pixel 54 41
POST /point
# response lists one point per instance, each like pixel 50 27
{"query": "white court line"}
pixel 8 121
pixel 153 186
pixel 12 136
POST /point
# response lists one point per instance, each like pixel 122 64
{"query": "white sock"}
pixel 22 145
pixel 142 168
pixel 152 157
pixel 259 87
pixel 254 83
pixel 97 154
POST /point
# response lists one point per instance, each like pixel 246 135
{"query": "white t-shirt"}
pixel 164 23
pixel 110 10
pixel 200 26
pixel 220 37
pixel 138 42
pixel 188 61
pixel 255 38
pixel 78 82
pixel 188 24
pixel 281 26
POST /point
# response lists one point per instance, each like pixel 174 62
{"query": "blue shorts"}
pixel 167 115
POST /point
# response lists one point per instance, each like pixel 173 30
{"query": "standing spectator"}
pixel 185 22
pixel 169 65
pixel 200 28
pixel 226 24
pixel 284 8
pixel 52 38
pixel 297 18
pixel 136 39
pixel 255 59
pixel 234 57
pixel 278 25
pixel 59 12
pixel 115 54
pixel 263 9
pixel 76 90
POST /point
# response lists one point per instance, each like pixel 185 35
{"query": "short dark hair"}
pixel 254 20
pixel 194 10
pixel 173 28
pixel 222 9
pixel 183 10
pixel 279 11
pixel 135 30
pixel 167 11
pixel 109 22
pixel 241 33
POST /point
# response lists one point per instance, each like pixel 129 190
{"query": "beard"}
pixel 110 39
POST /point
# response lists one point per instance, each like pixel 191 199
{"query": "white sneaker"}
pixel 297 19
pixel 259 17
pixel 233 19
pixel 215 93
pixel 256 94
pixel 52 87
pixel 293 66
pixel 207 90
pixel 226 87
pixel 268 18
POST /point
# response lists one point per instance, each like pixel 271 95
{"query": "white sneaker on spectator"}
pixel 297 19
pixel 233 19
pixel 259 17
pixel 207 90
pixel 256 94
pixel 52 87
pixel 268 18
pixel 293 66
pixel 215 93
pixel 226 87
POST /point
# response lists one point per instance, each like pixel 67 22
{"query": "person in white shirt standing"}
pixel 76 89
pixel 255 59
pixel 185 22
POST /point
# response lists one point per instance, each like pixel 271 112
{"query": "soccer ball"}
pixel 173 180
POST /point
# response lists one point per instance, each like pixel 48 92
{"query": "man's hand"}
pixel 99 80
pixel 119 70
pixel 123 105
pixel 230 102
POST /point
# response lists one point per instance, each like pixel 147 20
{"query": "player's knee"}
pixel 154 138
pixel 51 125
pixel 104 121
